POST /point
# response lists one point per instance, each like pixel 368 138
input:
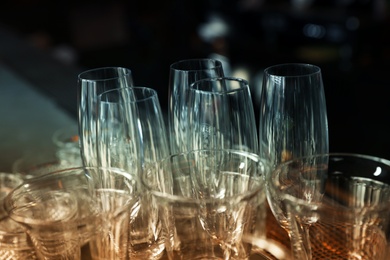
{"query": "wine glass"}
pixel 182 74
pixel 131 134
pixel 92 83
pixel 117 137
pixel 338 205
pixel 293 119
pixel 221 115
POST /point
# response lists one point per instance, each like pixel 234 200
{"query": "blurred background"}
pixel 50 42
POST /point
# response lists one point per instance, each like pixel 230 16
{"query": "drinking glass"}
pixel 118 201
pixel 208 200
pixel 131 135
pixel 293 118
pixel 221 115
pixel 92 83
pixel 182 74
pixel 68 209
pixel 117 137
pixel 337 205
pixel 48 213
pixel 14 242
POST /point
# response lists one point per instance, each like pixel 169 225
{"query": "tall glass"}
pixel 293 118
pixel 92 83
pixel 182 74
pixel 131 135
pixel 221 115
pixel 208 201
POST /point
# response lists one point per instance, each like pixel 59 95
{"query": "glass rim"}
pixel 188 200
pixel 318 205
pixel 238 197
pixel 177 65
pixel 81 75
pixel 152 94
pixel 243 85
pixel 83 169
pixel 52 176
pixel 315 70
pixel 19 234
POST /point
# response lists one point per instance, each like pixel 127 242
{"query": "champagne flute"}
pixel 117 137
pixel 131 134
pixel 182 74
pixel 92 83
pixel 221 115
pixel 293 119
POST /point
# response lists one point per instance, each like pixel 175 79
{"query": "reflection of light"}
pixel 242 165
pixel 378 171
pixel 314 31
pixel 262 246
pixel 214 28
pixel 241 72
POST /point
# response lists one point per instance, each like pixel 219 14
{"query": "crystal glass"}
pixel 221 115
pixel 48 213
pixel 14 241
pixel 117 137
pixel 182 74
pixel 293 118
pixel 208 200
pixel 92 83
pixel 338 205
pixel 70 209
pixel 131 135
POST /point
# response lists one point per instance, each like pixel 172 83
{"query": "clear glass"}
pixel 70 209
pixel 338 205
pixel 48 214
pixel 131 135
pixel 182 74
pixel 221 115
pixel 293 118
pixel 117 137
pixel 14 241
pixel 208 200
pixel 92 83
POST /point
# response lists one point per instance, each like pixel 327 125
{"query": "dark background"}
pixel 348 39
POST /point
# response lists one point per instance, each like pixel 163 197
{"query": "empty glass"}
pixel 337 205
pixel 92 83
pixel 48 214
pixel 14 241
pixel 65 210
pixel 293 118
pixel 221 115
pixel 182 74
pixel 131 135
pixel 208 200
